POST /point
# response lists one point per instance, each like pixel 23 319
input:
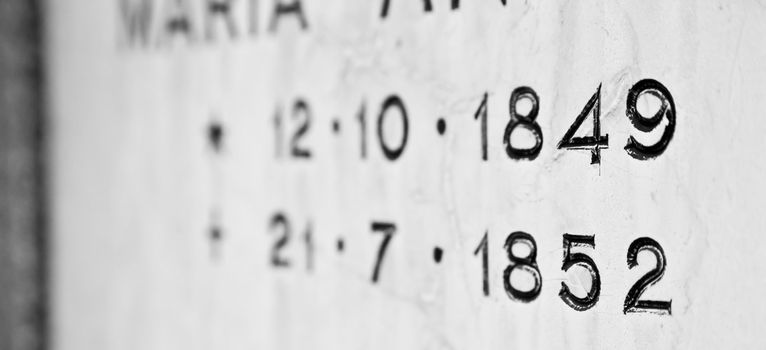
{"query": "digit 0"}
pixel 393 101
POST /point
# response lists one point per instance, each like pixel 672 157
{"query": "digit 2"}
pixel 279 219
pixel 632 300
pixel 300 108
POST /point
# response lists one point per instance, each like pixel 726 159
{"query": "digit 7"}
pixel 388 230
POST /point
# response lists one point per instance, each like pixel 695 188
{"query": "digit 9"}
pixel 667 109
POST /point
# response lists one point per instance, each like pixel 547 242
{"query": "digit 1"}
pixel 278 132
pixel 309 248
pixel 483 246
pixel 362 130
pixel 482 111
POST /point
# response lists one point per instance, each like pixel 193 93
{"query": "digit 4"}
pixel 595 142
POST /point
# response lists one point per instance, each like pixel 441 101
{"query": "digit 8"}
pixel 526 121
pixel 527 264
